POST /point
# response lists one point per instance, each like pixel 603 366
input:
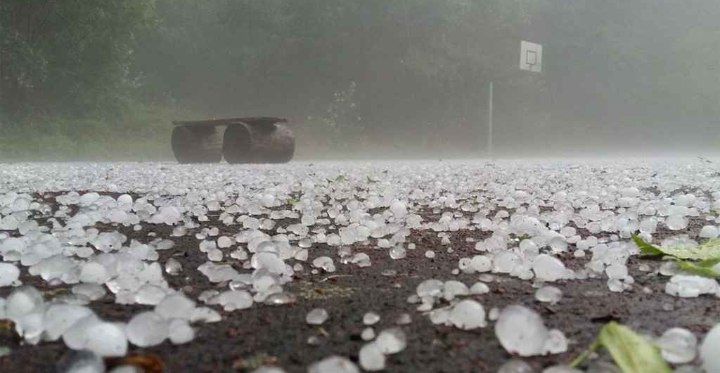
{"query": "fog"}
pixel 362 79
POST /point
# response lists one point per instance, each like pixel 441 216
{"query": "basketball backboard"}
pixel 530 56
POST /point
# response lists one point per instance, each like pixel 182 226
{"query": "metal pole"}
pixel 490 122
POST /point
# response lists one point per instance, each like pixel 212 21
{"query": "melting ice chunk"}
pixel 709 350
pixel 392 341
pixel 678 345
pixel 9 273
pixel 467 315
pixel 521 331
pixel 333 364
pixel 548 294
pixel 548 268
pixel 317 316
pixel 371 357
pixel 147 329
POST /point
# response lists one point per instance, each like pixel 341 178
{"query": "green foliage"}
pixel 67 57
pixel 704 268
pixel 141 134
pixel 707 253
pixel 631 352
pixel 708 250
pixel 353 74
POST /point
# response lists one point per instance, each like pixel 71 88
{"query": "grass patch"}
pixel 141 133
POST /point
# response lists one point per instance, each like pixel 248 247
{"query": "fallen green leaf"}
pixel 707 250
pixel 646 248
pixel 631 352
pixel 703 268
pixel 292 201
pixel 340 178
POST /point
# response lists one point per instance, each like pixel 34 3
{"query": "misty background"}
pixel 84 79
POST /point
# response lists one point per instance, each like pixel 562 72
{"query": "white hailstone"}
pixel 94 273
pixel 481 263
pixel 398 209
pixel 147 329
pixel 429 254
pixel 361 259
pixel 709 350
pixel 117 216
pixel 451 289
pixel 106 339
pixel 268 200
pixel 516 366
pixel 270 261
pixel 371 357
pixel 371 318
pixel 479 288
pixel 9 273
pixel 150 294
pixel 214 255
pixel 676 222
pixel 175 306
pixel 506 261
pixel 179 232
pixel 301 255
pixel 617 271
pixel 486 277
pixel 430 288
pixel 88 199
pixel 391 341
pixel 205 315
pixel 397 252
pixel 558 244
pixel 125 199
pixel 333 364
pixel 440 316
pixel 548 268
pixel 368 334
pixel 180 331
pixel 548 294
pixel 60 317
pixel 709 231
pixel 678 346
pixel 281 298
pixel 23 301
pixel 173 267
pixel 464 265
pixel 317 316
pixel 325 263
pixel 468 315
pixel 232 300
pixel 568 231
pixel 521 331
pixel 75 337
pixel 384 243
pixel 556 343
pixel 691 286
pixel 224 242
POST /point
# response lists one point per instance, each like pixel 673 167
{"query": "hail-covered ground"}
pixel 355 266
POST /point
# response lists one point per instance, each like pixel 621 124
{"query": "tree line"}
pixel 373 68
